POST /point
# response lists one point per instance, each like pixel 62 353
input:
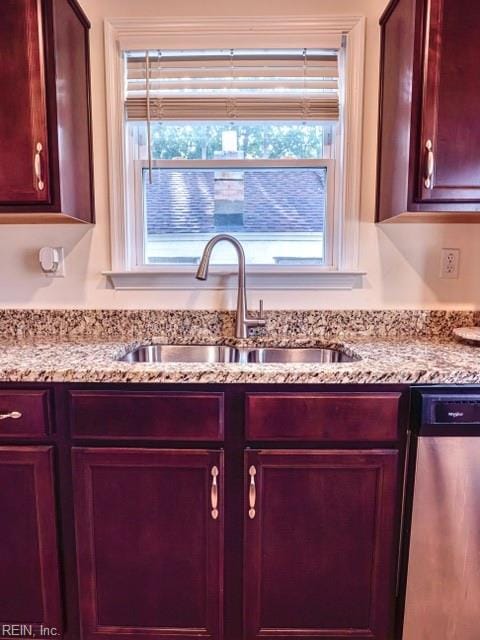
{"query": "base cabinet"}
pixel 319 544
pixel 214 512
pixel 149 537
pixel 29 567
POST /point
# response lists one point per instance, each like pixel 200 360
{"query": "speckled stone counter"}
pixel 400 360
pixel 185 326
pixel 84 346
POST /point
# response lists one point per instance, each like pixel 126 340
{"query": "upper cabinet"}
pixel 429 133
pixel 23 117
pixel 45 120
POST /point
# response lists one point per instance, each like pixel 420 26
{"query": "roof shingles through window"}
pixel 275 201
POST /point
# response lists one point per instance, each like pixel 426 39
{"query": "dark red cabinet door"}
pixel 23 128
pixel 451 103
pixel 319 544
pixel 149 545
pixel 29 575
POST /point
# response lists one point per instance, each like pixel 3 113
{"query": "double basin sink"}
pixel 211 354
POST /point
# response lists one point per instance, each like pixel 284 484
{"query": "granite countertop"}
pixel 81 345
pixel 400 360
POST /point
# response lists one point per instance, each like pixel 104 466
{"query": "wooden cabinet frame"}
pixel 59 154
pixel 97 578
pixel 413 90
pixel 285 538
pixel 234 523
pixel 30 471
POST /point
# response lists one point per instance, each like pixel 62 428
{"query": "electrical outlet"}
pixel 449 264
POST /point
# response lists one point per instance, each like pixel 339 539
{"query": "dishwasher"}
pixel 442 543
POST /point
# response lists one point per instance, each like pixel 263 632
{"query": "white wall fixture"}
pixel 52 261
pixel 449 264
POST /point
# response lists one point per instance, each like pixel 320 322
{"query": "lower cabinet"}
pixel 29 569
pixel 305 487
pixel 320 544
pixel 149 527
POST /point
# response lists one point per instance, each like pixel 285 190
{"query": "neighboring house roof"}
pixel 275 200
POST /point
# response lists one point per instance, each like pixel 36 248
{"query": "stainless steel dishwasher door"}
pixel 443 581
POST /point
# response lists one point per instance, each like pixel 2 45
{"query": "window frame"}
pixel 198 32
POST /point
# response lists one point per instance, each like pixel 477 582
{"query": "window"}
pixel 267 181
pixel 241 140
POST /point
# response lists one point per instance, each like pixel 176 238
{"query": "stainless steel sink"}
pixel 181 353
pixel 298 355
pixel 241 355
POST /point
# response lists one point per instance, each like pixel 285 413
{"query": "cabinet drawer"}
pixel 332 417
pixel 24 414
pixel 138 415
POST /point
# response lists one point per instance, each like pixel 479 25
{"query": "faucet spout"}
pixel 202 271
pixel 243 320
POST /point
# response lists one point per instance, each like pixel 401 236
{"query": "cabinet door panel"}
pixel 142 415
pixel 319 551
pixel 451 102
pixel 22 106
pixel 353 417
pixel 149 550
pixel 26 413
pixel 29 586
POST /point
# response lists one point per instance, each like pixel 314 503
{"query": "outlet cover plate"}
pixel 449 264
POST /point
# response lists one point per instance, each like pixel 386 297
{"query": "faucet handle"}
pixel 260 311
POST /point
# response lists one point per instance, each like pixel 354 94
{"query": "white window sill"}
pixel 226 277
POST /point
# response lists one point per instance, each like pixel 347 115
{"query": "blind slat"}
pixel 210 108
pixel 240 56
pixel 238 72
pixel 221 84
pixel 134 64
pixel 218 86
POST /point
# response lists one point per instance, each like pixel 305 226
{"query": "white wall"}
pixel 402 260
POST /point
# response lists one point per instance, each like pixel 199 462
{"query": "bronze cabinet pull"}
pixel 214 493
pixel 38 166
pixel 252 492
pixel 430 165
pixel 11 414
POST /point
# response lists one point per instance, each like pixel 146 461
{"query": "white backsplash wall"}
pixel 402 260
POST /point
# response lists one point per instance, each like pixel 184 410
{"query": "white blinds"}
pixel 241 84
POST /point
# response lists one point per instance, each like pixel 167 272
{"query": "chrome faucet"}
pixel 243 320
